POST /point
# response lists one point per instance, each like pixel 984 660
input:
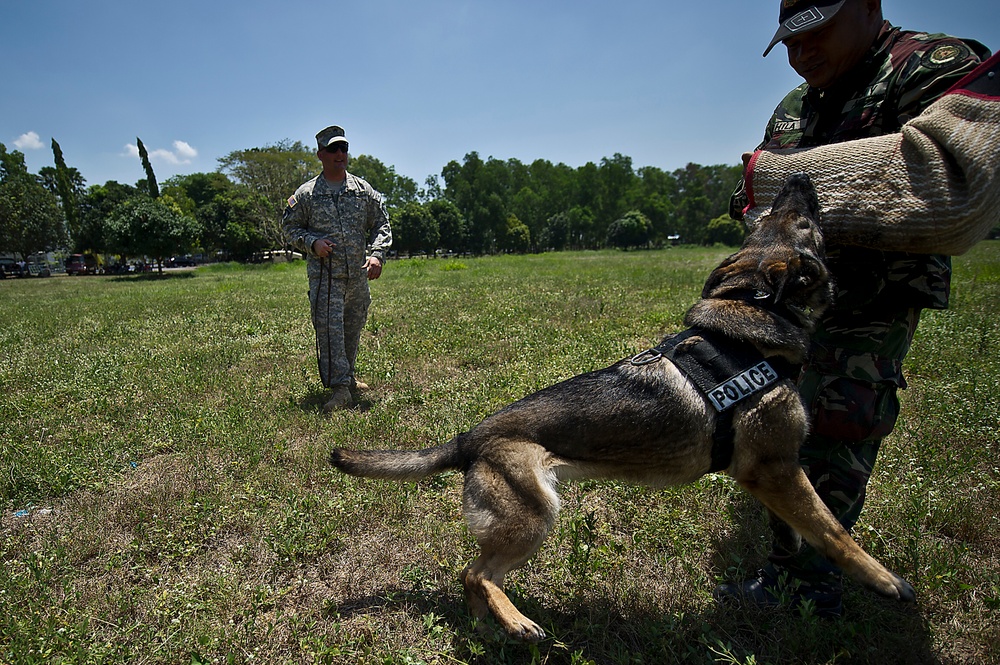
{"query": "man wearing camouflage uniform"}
pixel 340 222
pixel 863 78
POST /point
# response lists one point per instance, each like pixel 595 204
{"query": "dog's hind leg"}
pixel 483 581
pixel 783 487
pixel 510 504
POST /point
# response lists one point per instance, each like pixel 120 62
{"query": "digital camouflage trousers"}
pixel 339 309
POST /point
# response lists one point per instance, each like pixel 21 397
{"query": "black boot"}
pixel 771 589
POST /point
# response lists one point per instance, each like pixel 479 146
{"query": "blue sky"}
pixel 415 84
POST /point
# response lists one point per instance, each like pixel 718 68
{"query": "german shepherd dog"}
pixel 645 422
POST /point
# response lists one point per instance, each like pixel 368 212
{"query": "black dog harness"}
pixel 725 371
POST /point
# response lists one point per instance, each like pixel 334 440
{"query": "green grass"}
pixel 166 496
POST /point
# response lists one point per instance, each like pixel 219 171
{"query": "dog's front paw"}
pixel 890 585
pixel 905 590
pixel 526 630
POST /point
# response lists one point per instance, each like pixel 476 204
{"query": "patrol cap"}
pixel 331 134
pixel 802 16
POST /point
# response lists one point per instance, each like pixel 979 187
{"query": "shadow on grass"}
pixel 154 276
pixel 873 629
pixel 595 631
pixel 314 400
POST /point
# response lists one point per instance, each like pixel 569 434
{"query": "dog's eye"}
pixel 804 224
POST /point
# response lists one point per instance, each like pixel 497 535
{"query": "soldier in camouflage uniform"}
pixel 863 78
pixel 340 222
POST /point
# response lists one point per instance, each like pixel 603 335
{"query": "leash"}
pixel 315 317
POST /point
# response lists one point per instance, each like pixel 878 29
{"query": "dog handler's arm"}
pixel 934 188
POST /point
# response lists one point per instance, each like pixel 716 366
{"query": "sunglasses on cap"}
pixel 340 146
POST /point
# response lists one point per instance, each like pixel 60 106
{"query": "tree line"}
pixel 474 206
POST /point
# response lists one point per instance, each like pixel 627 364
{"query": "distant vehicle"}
pixel 276 255
pixel 119 269
pixel 77 265
pixel 9 268
pixel 12 268
pixel 39 270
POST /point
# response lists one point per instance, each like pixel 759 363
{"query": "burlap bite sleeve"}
pixel 934 188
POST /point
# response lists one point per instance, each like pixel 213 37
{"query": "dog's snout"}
pixel 797 194
pixel 800 181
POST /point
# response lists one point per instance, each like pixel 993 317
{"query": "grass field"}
pixel 166 496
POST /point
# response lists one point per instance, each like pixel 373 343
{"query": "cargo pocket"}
pixel 852 410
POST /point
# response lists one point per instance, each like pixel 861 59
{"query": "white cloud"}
pixel 29 141
pixel 182 153
pixel 185 151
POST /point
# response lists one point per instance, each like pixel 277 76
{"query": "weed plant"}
pixel 166 496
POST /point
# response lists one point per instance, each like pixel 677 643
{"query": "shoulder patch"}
pixel 292 201
pixel 944 55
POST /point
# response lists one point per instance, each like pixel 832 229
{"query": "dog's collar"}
pixel 766 300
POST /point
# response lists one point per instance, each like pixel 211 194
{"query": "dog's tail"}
pixel 399 464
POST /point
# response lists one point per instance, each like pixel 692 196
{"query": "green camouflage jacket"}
pixel 353 217
pixel 867 332
pixel 904 73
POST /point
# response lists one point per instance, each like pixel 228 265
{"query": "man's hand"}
pixel 322 248
pixel 374 267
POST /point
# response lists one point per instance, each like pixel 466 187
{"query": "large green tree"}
pixel 450 223
pixel 271 174
pixel 30 219
pixel 397 189
pixel 226 212
pixel 725 230
pixel 631 230
pixel 227 227
pixel 614 187
pixel 516 237
pixel 198 188
pixel 482 193
pixel 414 229
pixel 147 227
pixel 97 205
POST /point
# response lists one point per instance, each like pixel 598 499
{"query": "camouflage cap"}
pixel 331 134
pixel 802 16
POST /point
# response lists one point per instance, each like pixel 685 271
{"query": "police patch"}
pixel 944 55
pixel 742 385
pixel 292 201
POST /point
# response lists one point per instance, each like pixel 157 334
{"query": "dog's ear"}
pixel 795 276
pixel 718 276
pixel 776 274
